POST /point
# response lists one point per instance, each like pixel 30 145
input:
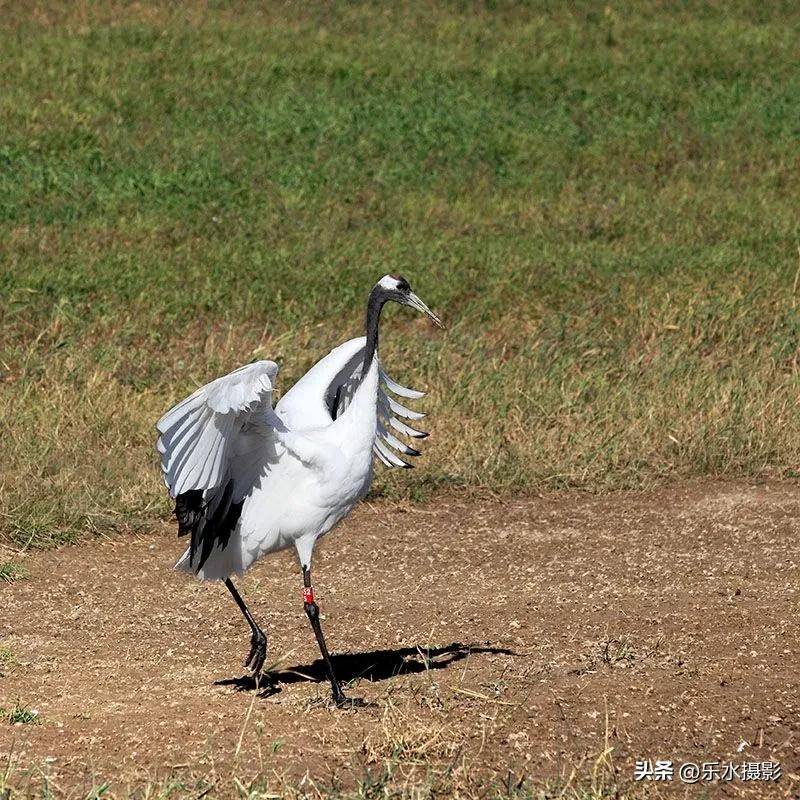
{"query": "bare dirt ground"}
pixel 659 625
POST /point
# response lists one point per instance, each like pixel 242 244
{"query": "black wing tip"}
pixel 188 510
pixel 209 520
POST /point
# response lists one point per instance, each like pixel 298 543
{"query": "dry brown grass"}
pixel 609 232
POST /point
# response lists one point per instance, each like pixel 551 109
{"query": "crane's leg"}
pixel 312 611
pixel 258 641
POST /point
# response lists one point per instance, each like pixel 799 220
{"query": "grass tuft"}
pixel 7 660
pixel 10 572
pixel 20 714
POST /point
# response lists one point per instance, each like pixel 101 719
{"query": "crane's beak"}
pixel 415 302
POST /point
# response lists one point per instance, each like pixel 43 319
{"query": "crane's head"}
pixel 398 289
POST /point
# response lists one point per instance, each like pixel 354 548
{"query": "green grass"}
pixel 10 572
pixel 601 201
pixel 20 714
pixel 7 660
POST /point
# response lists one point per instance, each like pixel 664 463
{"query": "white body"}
pixel 291 504
pixel 296 471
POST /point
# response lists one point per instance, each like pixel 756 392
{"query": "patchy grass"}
pixel 600 202
pixel 7 660
pixel 20 714
pixel 10 572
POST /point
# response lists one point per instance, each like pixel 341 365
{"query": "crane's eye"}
pixel 403 285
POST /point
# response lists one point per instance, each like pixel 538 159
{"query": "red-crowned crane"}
pixel 248 479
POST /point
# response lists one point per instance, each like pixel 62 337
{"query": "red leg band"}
pixel 308 594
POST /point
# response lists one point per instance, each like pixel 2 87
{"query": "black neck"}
pixel 374 305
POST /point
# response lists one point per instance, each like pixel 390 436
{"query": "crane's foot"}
pixel 258 653
pixel 340 701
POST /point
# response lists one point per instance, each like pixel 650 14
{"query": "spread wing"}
pixel 212 446
pixel 390 417
pixel 326 390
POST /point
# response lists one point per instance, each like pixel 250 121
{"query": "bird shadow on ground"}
pixel 376 665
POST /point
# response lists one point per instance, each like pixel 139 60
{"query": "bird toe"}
pixel 346 703
pixel 257 655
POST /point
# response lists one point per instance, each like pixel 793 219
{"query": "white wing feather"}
pixel 197 437
pixel 387 456
pixel 402 411
pixel 401 427
pixel 389 413
pixel 329 386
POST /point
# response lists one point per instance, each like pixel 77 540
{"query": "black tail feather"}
pixel 188 510
pixel 209 521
